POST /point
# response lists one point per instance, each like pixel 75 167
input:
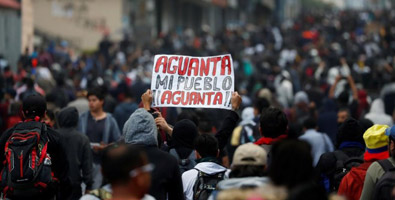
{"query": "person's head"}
pixel 15 108
pixel 342 115
pixel 376 143
pixel 50 118
pixel 96 99
pixel 206 145
pixel 273 122
pixel 9 94
pixel 184 133
pixel 141 128
pixel 301 99
pixel 29 83
pixel 390 132
pixel 34 106
pixel 248 114
pixel 129 94
pixel 126 167
pixel 249 160
pixel 366 124
pixel 259 105
pixel 291 163
pixel 189 114
pixel 310 123
pixel 350 131
pixel 68 117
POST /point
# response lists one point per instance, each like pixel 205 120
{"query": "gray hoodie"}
pixel 140 128
pixel 245 182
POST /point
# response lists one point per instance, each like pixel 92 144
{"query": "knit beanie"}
pixel 184 133
pixel 140 128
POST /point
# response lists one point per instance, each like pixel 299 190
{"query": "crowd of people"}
pixel 313 115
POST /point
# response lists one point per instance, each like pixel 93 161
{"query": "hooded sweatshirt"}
pixel 78 149
pixel 140 129
pixel 377 114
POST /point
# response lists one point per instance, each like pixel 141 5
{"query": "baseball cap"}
pixel 249 154
pixel 34 105
pixel 376 142
pixel 390 132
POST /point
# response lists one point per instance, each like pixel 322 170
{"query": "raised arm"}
pixel 353 87
pixel 229 122
pixel 333 87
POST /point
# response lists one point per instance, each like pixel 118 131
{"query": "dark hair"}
pixel 98 92
pixel 189 114
pixel 261 103
pixel 51 114
pixel 393 151
pixel 15 108
pixel 273 122
pixel 119 159
pixel 344 109
pixel 310 123
pixel 29 83
pixel 240 171
pixel 350 131
pixel 128 93
pixel 366 124
pixel 206 145
pixel 34 105
pixel 291 164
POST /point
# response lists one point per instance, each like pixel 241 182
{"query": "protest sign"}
pixel 192 82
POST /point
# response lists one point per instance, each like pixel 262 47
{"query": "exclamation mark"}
pixel 153 98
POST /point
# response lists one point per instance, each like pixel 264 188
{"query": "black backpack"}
pixel 344 163
pixel 385 185
pixel 205 184
pixel 184 164
pixel 27 166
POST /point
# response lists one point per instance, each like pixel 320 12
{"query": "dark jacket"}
pixel 78 148
pixel 166 177
pixel 327 164
pixel 60 164
pixel 123 111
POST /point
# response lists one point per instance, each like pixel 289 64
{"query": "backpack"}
pixel 27 165
pixel 385 185
pixel 344 163
pixel 248 134
pixel 205 184
pixel 101 194
pixel 184 164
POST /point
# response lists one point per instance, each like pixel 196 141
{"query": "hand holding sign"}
pixel 192 82
pixel 146 98
pixel 236 101
pixel 162 124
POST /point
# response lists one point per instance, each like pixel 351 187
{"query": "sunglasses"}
pixel 146 168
